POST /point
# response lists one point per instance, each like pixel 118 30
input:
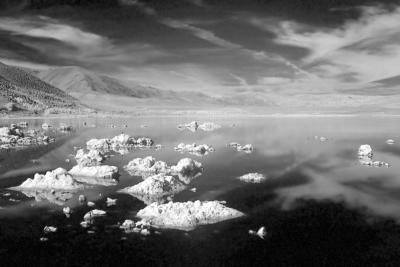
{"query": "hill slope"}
pixel 31 93
pixel 79 82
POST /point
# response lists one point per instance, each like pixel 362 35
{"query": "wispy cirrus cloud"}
pixel 360 51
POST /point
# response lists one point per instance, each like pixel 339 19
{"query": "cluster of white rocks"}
pixel 57 179
pixel 14 136
pixel 88 170
pixel 194 126
pixel 146 166
pixel 90 158
pixel 142 227
pixel 118 143
pixel 161 181
pixel 187 215
pixel 365 157
pixel 248 148
pixel 194 149
pixel 320 138
pixel 253 177
pixel 149 166
pixel 156 188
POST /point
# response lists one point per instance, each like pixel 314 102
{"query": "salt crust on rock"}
pixel 56 179
pixel 155 188
pixel 187 215
pixel 253 177
pixel 195 149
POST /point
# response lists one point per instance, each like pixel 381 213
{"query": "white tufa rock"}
pixel 5 131
pixel 64 127
pixel 144 142
pixel 365 151
pixel 58 179
pixel 155 188
pixel 85 224
pixel 128 226
pixel 46 126
pixel 246 148
pixel 390 141
pixel 98 144
pixel 367 161
pixel 253 177
pixel 147 165
pixel 111 201
pixel 209 126
pixel 93 214
pixel 121 140
pixel 195 149
pixel 49 229
pixel 187 167
pixel 67 210
pixel 192 126
pixel 82 198
pixel 91 158
pixel 261 233
pixel 187 215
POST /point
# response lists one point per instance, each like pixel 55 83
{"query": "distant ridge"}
pixel 78 81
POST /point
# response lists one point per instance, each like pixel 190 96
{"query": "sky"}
pixel 219 47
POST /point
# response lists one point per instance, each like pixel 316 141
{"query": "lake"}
pixel 320 206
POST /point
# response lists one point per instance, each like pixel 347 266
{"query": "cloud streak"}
pixel 352 52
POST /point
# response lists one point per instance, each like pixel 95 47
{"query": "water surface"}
pixel 319 204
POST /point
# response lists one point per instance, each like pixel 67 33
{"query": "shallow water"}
pixel 319 205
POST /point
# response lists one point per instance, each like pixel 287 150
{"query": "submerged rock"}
pixel 187 215
pixel 253 177
pixel 58 197
pixel 365 151
pixel 195 149
pixel 56 179
pixel 155 188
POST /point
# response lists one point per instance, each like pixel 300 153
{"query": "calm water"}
pixel 319 205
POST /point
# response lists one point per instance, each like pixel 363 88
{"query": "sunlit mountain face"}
pixel 276 51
